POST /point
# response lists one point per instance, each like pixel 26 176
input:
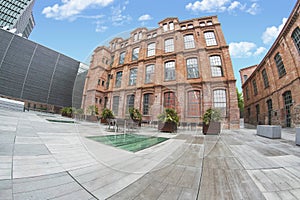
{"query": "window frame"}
pixel 210 38
pixel 149 74
pixel 169 45
pixel 122 58
pixel 189 41
pixel 118 81
pixel 169 100
pixel 151 49
pixel 193 106
pixel 265 78
pixel 296 38
pixel 279 64
pixel 191 66
pixel 169 71
pixel 132 76
pixel 216 66
pixel 135 53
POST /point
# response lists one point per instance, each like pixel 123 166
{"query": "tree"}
pixel 240 102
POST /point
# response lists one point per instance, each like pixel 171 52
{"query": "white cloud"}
pixel 221 6
pixel 254 9
pixel 70 8
pixel 145 17
pixel 101 29
pixel 245 49
pixel 272 32
pixel 208 5
pixel 118 18
pixel 260 51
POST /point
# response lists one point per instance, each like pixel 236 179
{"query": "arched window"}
pixel 169 70
pixel 280 65
pixel 210 38
pixel 147 103
pixel 220 102
pixel 192 68
pixel 296 38
pixel 193 103
pixel 189 41
pixel 149 73
pixel 151 49
pixel 216 66
pixel 169 100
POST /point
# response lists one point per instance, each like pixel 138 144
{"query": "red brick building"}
pixel 272 92
pixel 181 64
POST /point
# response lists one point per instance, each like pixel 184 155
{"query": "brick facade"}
pixel 277 79
pixel 172 69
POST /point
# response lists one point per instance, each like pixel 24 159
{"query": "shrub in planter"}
pixel 106 114
pixel 67 111
pixel 168 120
pixel 135 115
pixel 211 121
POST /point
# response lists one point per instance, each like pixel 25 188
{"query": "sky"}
pixel 76 27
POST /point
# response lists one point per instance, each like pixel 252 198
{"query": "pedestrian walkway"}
pixel 40 159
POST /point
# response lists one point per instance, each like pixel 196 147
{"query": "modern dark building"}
pixel 16 16
pixel 35 74
pixel 271 91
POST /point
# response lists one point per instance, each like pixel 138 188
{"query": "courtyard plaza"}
pixel 40 159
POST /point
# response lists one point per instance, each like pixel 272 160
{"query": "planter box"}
pixel 170 127
pixel 269 131
pixel 91 118
pixel 103 121
pixel 213 128
pixel 298 136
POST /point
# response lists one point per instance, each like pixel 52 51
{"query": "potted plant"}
pixel 106 114
pixel 67 111
pixel 135 115
pixel 211 122
pixel 168 120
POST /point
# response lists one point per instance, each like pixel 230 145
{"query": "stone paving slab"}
pixel 44 160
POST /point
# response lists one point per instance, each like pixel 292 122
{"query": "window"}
pixel 115 107
pixel 296 38
pixel 279 64
pixel 216 66
pixel 132 76
pixel 257 112
pixel 209 23
pixel 148 99
pixel 202 24
pixel 265 78
pixel 130 103
pixel 96 100
pixel 140 36
pixel 247 93
pixel 103 82
pixel 192 68
pixel 149 74
pixel 99 81
pixel 135 53
pixel 190 26
pixel 189 41
pixel 105 101
pixel 122 58
pixel 245 78
pixel 169 100
pixel 183 27
pixel 220 100
pixel 112 60
pixel 254 87
pixel 119 79
pixel 170 70
pixel 210 38
pixel 169 45
pixel 171 25
pixel 165 27
pixel 194 103
pixel 135 37
pixel 151 49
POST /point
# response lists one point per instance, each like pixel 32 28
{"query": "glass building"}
pixel 16 16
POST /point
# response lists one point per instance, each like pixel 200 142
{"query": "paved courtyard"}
pixel 40 159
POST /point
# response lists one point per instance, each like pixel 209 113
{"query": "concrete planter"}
pixel 269 131
pixel 298 136
pixel 213 128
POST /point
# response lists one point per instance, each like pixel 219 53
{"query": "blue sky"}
pixel 76 27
